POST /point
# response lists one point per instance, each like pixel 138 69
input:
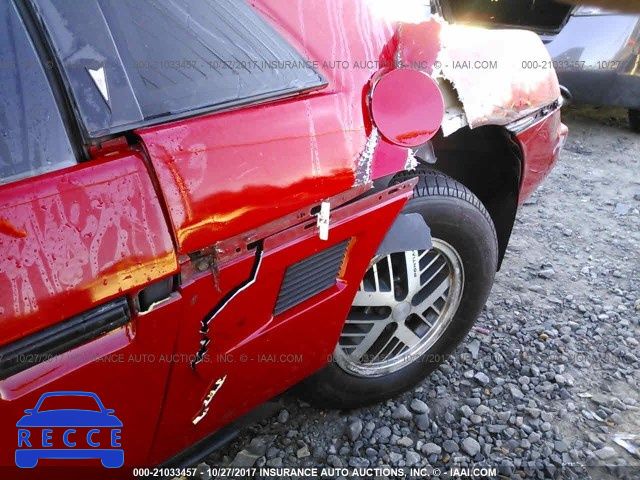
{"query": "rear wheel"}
pixel 413 308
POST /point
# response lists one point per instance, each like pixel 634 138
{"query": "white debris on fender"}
pixel 323 220
pixel 493 73
pixel 412 161
pixel 365 160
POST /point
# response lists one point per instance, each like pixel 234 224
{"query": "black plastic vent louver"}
pixel 45 344
pixel 310 276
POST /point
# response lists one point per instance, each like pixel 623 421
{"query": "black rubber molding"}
pixel 62 337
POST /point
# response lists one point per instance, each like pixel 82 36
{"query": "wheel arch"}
pixel 489 163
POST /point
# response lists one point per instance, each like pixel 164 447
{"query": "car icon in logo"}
pixel 69 433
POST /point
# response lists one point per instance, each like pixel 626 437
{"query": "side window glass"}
pixel 33 137
pixel 185 55
pixel 137 62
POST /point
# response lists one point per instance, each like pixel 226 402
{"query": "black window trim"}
pixel 55 79
pixel 72 111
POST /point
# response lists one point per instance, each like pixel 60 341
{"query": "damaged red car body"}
pixel 195 246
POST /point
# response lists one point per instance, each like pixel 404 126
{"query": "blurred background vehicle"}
pixel 596 52
pixel 596 56
pixel 541 16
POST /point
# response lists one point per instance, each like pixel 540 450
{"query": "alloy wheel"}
pixel 404 304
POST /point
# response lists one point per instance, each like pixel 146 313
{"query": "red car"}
pixel 204 203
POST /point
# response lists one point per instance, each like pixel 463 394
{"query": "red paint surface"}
pixel 86 235
pixel 418 44
pixel 541 145
pixel 127 368
pixel 91 233
pixel 227 173
pixel 263 355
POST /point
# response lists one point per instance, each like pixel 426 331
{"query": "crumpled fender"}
pixel 499 76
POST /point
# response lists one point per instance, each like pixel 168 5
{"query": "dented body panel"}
pixel 216 172
pixel 315 148
pixel 490 70
pixel 535 142
pixel 193 224
pixel 260 353
pixel 74 239
pixel 295 152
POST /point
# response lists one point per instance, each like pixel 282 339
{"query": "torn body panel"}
pixel 239 189
pixel 267 352
pixel 216 171
pixel 496 74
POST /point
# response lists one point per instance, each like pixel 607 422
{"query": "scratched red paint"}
pixel 541 146
pixel 7 228
pixel 216 171
pixel 89 234
pixel 419 44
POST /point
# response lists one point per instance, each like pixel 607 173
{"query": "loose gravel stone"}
pixel 203 471
pixel 395 458
pixel 405 442
pixel 482 410
pixel 450 446
pixel 470 446
pixel 482 378
pixel 244 458
pixel 431 449
pixel 411 458
pixel 402 413
pixel 419 406
pixel 354 429
pixel 547 273
pixel 466 410
pixel 358 462
pixel 283 417
pixel 606 453
pixel 516 393
pixel 422 421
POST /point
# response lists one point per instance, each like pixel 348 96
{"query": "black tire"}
pixel 456 216
pixel 634 119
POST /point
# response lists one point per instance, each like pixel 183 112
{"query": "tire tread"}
pixel 432 183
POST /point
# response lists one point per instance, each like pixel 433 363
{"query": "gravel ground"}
pixel 550 375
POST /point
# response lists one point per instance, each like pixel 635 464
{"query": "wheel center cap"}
pixel 401 311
